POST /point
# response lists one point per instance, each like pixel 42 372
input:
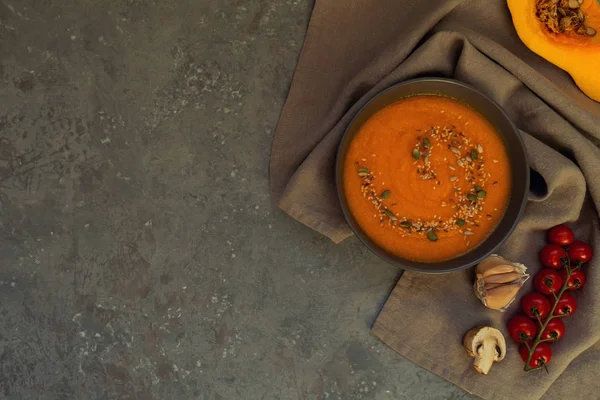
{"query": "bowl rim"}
pixel 413 265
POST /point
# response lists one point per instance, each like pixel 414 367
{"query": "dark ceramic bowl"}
pixel 494 114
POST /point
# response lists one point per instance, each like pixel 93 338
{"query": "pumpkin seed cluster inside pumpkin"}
pixel 564 17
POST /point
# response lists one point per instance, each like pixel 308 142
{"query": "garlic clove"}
pixel 498 281
pixel 503 278
pixel 501 297
pixel 489 286
pixel 494 265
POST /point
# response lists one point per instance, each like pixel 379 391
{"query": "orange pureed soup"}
pixel 427 178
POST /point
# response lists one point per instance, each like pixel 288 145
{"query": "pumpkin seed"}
pixel 432 236
pixel 405 224
pixel 562 12
pixel 468 158
pixel 480 148
pixel 363 170
pixel 590 31
pixel 426 143
pixel 363 174
pixel 455 150
pixel 471 197
pixel 386 194
pixel 416 154
pixel 574 4
pixel 453 178
pixel 565 22
pixel 474 155
pixel 468 233
pixel 390 214
pixel 461 222
pixel 460 163
pixel 481 194
pixel 478 188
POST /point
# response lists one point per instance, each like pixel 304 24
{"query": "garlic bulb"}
pixel 498 281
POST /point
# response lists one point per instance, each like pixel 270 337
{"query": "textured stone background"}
pixel 142 257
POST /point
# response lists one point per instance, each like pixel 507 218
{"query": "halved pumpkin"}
pixel 564 32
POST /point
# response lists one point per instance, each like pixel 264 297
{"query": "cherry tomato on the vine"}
pixel 580 251
pixel 561 235
pixel 566 304
pixel 554 330
pixel 552 256
pixel 576 280
pixel 547 281
pixel 521 328
pixel 542 355
pixel 535 302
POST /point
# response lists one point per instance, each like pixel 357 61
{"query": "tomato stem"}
pixel 537 315
pixel 538 338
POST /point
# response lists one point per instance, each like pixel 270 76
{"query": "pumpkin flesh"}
pixel 579 55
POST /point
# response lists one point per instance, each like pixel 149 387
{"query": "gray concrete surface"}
pixel 142 257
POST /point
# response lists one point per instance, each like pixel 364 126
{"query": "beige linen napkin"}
pixel 356 48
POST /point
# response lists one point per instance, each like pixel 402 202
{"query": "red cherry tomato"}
pixel 576 280
pixel 554 330
pixel 580 251
pixel 566 304
pixel 521 328
pixel 548 281
pixel 534 302
pixel 561 235
pixel 551 256
pixel 542 355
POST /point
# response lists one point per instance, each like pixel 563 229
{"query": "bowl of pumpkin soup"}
pixel 432 175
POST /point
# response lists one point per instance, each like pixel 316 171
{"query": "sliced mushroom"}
pixel 486 345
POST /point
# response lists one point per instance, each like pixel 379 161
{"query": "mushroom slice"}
pixel 486 345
